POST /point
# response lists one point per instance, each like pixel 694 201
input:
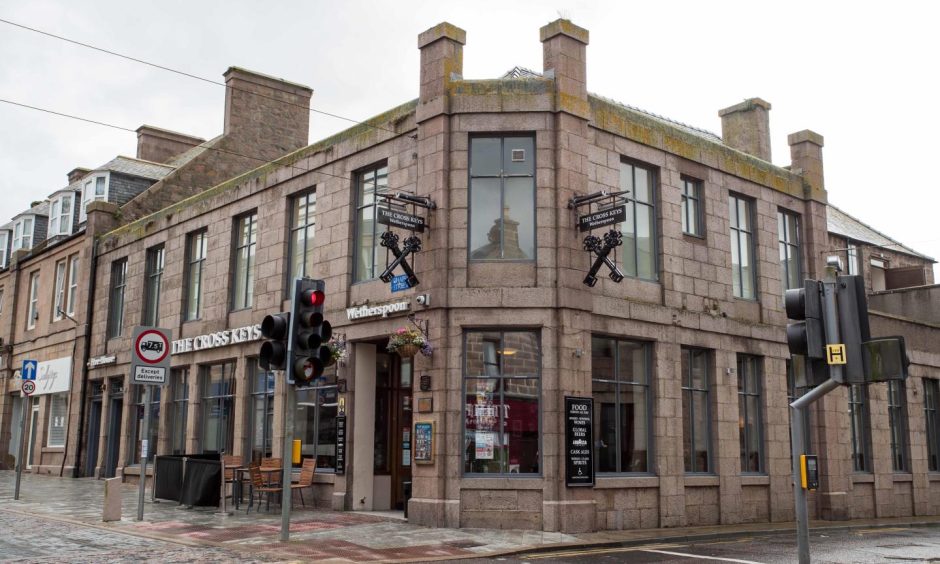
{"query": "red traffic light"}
pixel 313 297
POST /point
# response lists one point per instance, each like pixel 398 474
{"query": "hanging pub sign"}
pixel 612 211
pixel 393 218
pixel 393 214
pixel 579 454
pixel 602 218
pixel 340 444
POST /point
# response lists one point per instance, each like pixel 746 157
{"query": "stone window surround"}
pixel 116 298
pixel 686 380
pixel 358 177
pixel 698 197
pixel 154 263
pixel 752 362
pixel 59 289
pixel 897 427
pixel 652 172
pixel 242 302
pixel 790 243
pixel 32 312
pixel 310 196
pixel 194 264
pixel 860 439
pixel 734 235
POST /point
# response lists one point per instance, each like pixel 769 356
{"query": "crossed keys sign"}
pixel 592 244
pixel 412 245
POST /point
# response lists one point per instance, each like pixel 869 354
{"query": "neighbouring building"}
pixel 685 358
pixel 48 260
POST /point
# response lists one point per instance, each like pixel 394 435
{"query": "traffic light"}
pixel 853 325
pixel 274 328
pixel 806 337
pixel 310 331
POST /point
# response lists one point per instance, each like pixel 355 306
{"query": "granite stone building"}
pixel 685 358
pixel 48 259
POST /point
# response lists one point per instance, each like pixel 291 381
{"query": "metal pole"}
pixel 289 408
pixel 27 408
pixel 144 451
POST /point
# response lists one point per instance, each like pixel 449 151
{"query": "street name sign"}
pixel 30 368
pixel 150 357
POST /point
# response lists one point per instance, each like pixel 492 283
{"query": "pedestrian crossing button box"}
pixel 809 471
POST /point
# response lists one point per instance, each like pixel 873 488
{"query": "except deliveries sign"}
pixel 150 358
pixel 401 219
pixel 579 454
pixel 602 218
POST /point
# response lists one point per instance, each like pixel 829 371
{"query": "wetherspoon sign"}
pixel 579 459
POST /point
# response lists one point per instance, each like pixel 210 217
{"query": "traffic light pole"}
pixel 290 398
pixel 800 405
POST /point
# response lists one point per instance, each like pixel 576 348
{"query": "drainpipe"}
pixel 89 308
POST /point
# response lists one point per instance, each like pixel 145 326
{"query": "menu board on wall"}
pixel 579 454
pixel 424 442
pixel 340 444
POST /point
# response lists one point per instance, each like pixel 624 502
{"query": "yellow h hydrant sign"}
pixel 835 354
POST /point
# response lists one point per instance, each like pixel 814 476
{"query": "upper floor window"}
pixel 302 225
pixel 196 250
pixel 696 411
pixel 116 299
pixel 60 215
pixel 58 298
pixel 1 301
pixel 749 414
pixel 153 282
pixel 243 283
pixel 72 293
pixel 693 208
pixel 788 234
pixel 932 420
pixel 4 248
pixel 897 420
pixel 23 233
pixel 639 227
pixel 502 198
pixel 852 260
pixel 620 381
pixel 94 189
pixel 32 312
pixel 502 395
pixel 743 273
pixel 369 184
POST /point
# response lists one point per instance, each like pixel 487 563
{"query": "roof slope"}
pixel 842 224
pixel 522 72
pixel 136 167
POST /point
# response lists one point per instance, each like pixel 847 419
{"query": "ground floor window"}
pixel 931 403
pixel 502 393
pixel 897 419
pixel 696 411
pixel 58 412
pixel 858 416
pixel 218 407
pixel 137 428
pixel 180 410
pixel 315 420
pixel 750 421
pixel 620 379
pixel 260 412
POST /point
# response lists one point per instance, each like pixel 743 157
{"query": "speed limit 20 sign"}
pixel 150 357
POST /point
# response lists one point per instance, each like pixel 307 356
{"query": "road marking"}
pixel 598 551
pixel 699 557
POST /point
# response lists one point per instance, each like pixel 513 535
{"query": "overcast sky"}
pixel 863 75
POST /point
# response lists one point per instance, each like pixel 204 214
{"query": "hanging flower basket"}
pixel 406 343
pixel 337 351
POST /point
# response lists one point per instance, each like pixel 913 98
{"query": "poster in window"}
pixel 485 445
pixel 423 445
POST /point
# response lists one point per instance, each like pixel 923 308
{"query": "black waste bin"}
pixel 406 487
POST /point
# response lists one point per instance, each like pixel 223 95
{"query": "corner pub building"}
pixel 685 358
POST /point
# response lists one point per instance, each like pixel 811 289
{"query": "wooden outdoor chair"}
pixel 306 478
pixel 267 463
pixel 230 463
pixel 259 486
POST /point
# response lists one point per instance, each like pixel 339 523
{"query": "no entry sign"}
pixel 150 357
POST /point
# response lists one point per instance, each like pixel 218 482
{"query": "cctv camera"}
pixel 423 299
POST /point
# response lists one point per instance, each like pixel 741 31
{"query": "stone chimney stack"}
pixel 268 113
pixel 806 160
pixel 161 145
pixel 564 58
pixel 441 62
pixel 77 173
pixel 746 127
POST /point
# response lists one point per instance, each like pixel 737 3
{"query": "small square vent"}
pixel 518 155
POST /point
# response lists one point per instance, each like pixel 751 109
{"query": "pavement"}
pixel 178 534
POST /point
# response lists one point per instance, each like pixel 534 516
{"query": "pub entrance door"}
pixel 393 379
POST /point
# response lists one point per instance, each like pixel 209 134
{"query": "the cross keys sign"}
pixel 835 354
pixel 412 245
pixel 593 245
